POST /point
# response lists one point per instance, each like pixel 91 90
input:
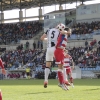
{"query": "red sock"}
pixel 71 80
pixel 60 77
pixel 0 95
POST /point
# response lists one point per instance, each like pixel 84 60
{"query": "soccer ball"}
pixel 61 27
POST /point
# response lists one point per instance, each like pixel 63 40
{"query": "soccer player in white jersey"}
pixel 51 35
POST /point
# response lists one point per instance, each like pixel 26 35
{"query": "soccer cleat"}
pixel 64 87
pixel 59 84
pixel 67 87
pixel 45 84
pixel 67 83
pixel 72 85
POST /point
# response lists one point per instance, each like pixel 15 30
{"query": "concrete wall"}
pixel 14 46
pixel 76 73
pixel 30 43
pixel 97 37
pixel 71 43
pixel 9 47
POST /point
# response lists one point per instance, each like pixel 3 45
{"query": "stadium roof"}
pixel 20 4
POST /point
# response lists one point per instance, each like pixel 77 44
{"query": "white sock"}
pixel 65 75
pixel 47 71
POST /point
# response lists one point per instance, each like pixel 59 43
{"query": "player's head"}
pixel 68 31
pixel 60 27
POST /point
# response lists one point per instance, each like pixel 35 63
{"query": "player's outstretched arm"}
pixel 63 32
pixel 43 36
pixel 66 31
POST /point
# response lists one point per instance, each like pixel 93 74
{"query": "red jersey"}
pixel 67 60
pixel 62 41
pixel 1 63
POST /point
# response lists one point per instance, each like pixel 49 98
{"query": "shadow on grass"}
pixel 92 89
pixel 42 92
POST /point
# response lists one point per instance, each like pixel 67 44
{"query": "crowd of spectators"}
pixel 35 59
pixel 14 32
pixel 90 59
pixel 87 56
pixel 21 57
pixel 14 59
pixel 85 27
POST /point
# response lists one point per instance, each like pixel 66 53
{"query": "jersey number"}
pixel 52 34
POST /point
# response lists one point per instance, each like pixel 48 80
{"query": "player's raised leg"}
pixel 49 59
pixel 46 74
pixel 71 79
pixel 59 56
pixel 65 77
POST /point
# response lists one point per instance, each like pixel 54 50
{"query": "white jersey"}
pixel 52 36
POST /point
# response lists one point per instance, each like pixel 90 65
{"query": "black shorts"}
pixel 28 73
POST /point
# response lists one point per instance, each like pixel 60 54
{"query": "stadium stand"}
pixel 87 57
pixel 14 32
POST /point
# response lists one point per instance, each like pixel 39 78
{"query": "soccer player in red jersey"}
pixel 0 95
pixel 67 70
pixel 2 67
pixel 59 55
pixel 3 72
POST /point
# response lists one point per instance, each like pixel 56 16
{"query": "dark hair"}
pixel 67 29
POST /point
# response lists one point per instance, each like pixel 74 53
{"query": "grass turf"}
pixel 85 89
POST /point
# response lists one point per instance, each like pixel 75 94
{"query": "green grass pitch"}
pixel 85 89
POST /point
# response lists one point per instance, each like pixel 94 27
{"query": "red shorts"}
pixel 59 56
pixel 68 70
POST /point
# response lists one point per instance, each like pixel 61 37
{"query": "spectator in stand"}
pixel 99 42
pixel 20 47
pixel 38 44
pixel 86 43
pixel 41 45
pixel 28 72
pixel 27 45
pixel 98 48
pixel 34 45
